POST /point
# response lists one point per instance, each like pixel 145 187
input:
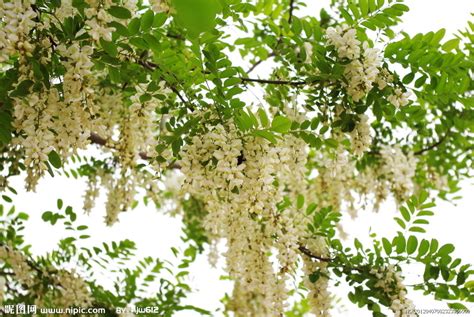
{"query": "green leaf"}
pixel 314 277
pixel 438 36
pixel 159 19
pixel 400 222
pixel 263 117
pixel 146 20
pixel 457 306
pixel 433 245
pixel 364 7
pixel 417 229
pixel 109 47
pixel 405 213
pixel 400 244
pixel 22 89
pixel 266 135
pixel 59 203
pixel 300 202
pixel 450 45
pixel 387 246
pixel 46 216
pixel 281 124
pixel 134 26
pixel 346 16
pixel 54 159
pixel 196 16
pixel 120 12
pixel 412 244
pixel 445 250
pixel 424 246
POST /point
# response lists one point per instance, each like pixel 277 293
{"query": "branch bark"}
pixel 97 139
pixel 275 82
pixel 434 145
pixel 308 253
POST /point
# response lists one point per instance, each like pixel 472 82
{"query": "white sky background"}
pixel 155 233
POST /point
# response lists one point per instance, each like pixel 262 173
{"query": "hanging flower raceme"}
pixel 398 169
pixel 73 290
pixel 360 136
pixel 16 22
pixel 399 98
pixel 390 281
pixel 240 180
pixel 63 288
pixel 364 62
pixel 316 278
pixel 34 122
pixel 74 123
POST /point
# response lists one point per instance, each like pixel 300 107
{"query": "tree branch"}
pixel 308 253
pixel 97 139
pixel 254 65
pixel 275 82
pixel 292 7
pixel 434 145
pixel 273 53
pixel 152 66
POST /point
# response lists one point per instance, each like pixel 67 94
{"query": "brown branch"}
pixel 254 65
pixel 308 253
pixel 97 139
pixel 275 82
pixel 434 145
pixel 151 66
pixel 292 7
pixel 273 53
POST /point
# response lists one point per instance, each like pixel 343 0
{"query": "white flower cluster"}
pixel 91 194
pixel 19 265
pixel 34 121
pixel 391 282
pixel 240 180
pixel 98 18
pixel 361 139
pixel 338 182
pixel 362 70
pixel 159 5
pixel 131 135
pixel 331 186
pixel 399 169
pixel 399 98
pixel 384 78
pixel 45 121
pixel 68 288
pixel 345 40
pixel 16 22
pixel 137 137
pixel 319 297
pixel 75 113
pixel 73 290
pixel 3 286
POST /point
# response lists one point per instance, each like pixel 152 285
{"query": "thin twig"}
pixel 434 145
pixel 273 53
pixel 97 139
pixel 292 7
pixel 308 253
pixel 275 82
